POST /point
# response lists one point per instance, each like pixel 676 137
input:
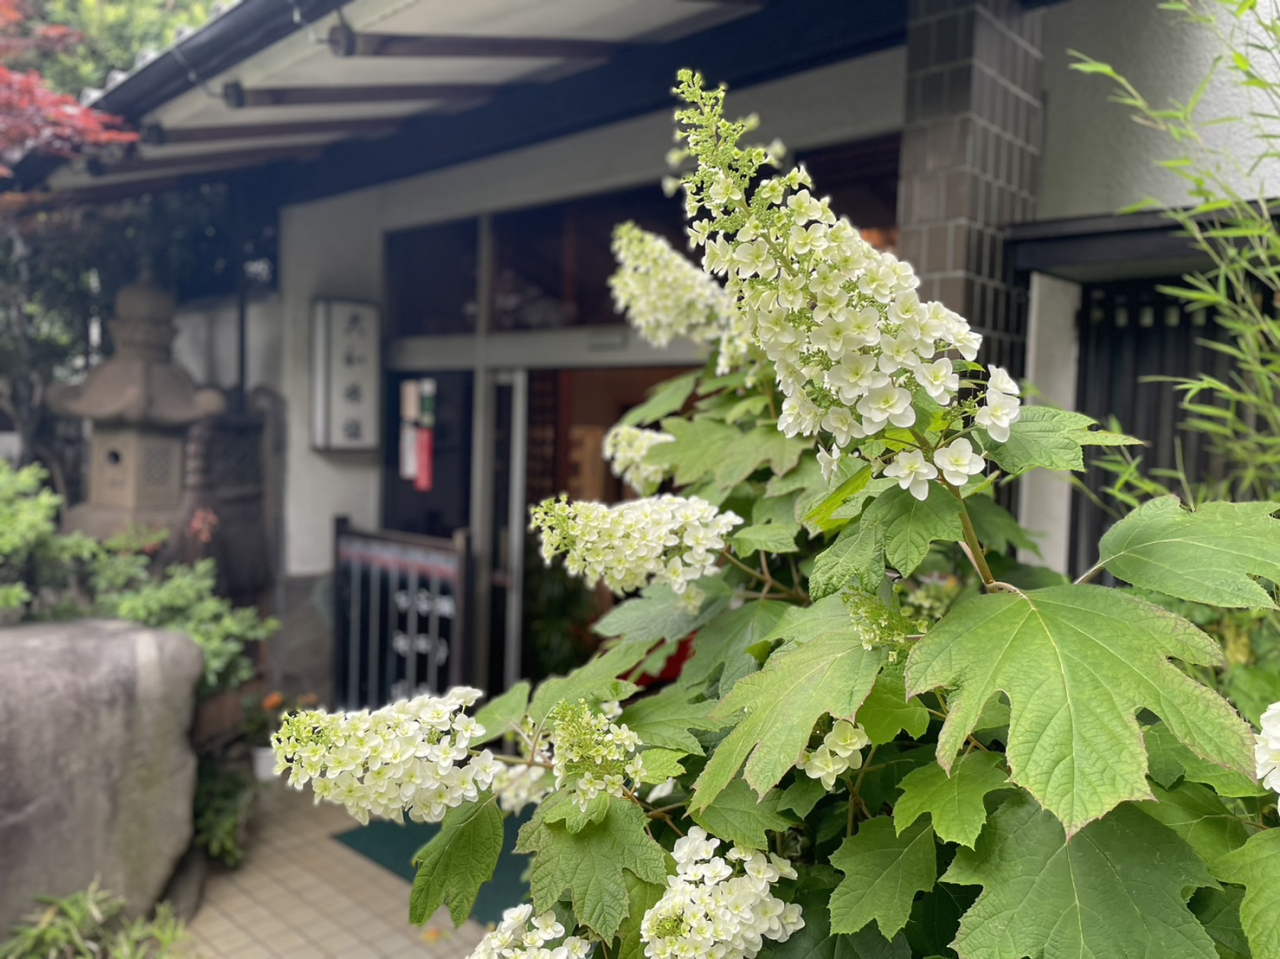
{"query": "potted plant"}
pixel 262 718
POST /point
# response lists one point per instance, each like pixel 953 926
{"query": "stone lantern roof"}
pixel 140 385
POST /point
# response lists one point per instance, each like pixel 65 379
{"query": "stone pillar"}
pixel 970 150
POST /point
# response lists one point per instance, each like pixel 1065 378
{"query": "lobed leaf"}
pixel 1077 663
pixel 1256 866
pixel 955 802
pixel 883 872
pixel 592 865
pixel 1115 890
pixel 1207 556
pixel 458 860
pixel 821 671
pixel 739 816
pixel 910 525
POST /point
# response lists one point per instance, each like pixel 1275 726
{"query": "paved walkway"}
pixel 301 893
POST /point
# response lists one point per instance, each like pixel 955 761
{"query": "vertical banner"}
pixel 424 478
pixel 346 376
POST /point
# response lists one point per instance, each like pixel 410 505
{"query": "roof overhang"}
pixel 326 96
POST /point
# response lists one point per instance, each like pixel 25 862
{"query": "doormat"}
pixel 393 846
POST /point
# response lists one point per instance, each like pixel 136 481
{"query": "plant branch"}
pixel 972 547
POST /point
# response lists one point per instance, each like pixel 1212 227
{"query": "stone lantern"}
pixel 140 403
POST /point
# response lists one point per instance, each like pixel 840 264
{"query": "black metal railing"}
pixel 399 622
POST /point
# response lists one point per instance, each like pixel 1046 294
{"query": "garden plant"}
pixel 892 739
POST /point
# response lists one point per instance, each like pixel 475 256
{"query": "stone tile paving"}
pixel 301 893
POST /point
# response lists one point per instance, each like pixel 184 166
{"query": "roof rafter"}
pixel 235 95
pixel 345 42
pixel 157 134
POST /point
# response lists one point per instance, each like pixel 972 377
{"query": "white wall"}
pixel 206 343
pixel 333 247
pixel 1044 504
pixel 1096 159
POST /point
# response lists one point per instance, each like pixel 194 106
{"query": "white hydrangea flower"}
pixel 661 539
pixel 412 756
pixel 664 295
pixel 625 448
pixel 913 472
pixel 840 751
pixel 1267 748
pixel 518 938
pixel 719 907
pixel 958 461
pixel 1000 412
pixel 591 753
pixel 1000 381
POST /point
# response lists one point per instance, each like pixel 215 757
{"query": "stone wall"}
pixel 97 774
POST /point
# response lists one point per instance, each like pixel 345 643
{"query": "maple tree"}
pixel 34 118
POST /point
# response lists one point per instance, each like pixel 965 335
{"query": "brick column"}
pixel 970 150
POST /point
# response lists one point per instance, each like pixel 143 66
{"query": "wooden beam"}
pixel 155 134
pixel 198 162
pixel 345 42
pixel 237 96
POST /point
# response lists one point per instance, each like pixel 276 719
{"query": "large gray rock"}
pixel 97 773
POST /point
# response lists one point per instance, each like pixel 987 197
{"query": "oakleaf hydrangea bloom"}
pixel 857 353
pixel 719 907
pixel 516 937
pixel 840 751
pixel 662 539
pixel 592 753
pixel 1267 748
pixel 665 296
pixel 625 447
pixel 409 756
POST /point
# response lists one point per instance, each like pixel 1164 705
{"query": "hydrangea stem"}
pixel 976 555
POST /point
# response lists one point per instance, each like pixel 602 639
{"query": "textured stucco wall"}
pixel 1096 158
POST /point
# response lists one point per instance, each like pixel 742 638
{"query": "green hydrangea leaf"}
pixel 856 558
pixel 821 515
pixel 591 865
pixel 641 897
pixel 1199 817
pixel 1206 556
pixel 662 764
pixel 720 648
pixel 1115 890
pixel 560 807
pixel 738 815
pixel 663 400
pixel 956 802
pixel 1076 663
pixel 666 719
pixel 1256 866
pixel 502 715
pixel 909 525
pixel 883 872
pixel 764 445
pixel 1170 761
pixel 1049 438
pixel 820 671
pixel 1219 912
pixel 802 795
pixel 769 538
pixel 458 860
pixel 658 614
pixel 596 682
pixel 889 711
pixel 699 447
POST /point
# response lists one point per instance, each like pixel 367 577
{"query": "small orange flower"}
pixel 273 701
